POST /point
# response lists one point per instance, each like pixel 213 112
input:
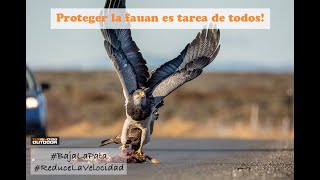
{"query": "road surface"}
pixel 196 159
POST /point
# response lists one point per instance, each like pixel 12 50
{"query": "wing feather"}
pixel 200 53
pixel 205 44
pixel 125 55
pixel 165 70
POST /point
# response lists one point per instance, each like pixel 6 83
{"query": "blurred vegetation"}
pixel 225 98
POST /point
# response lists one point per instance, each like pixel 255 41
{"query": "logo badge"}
pixel 45 141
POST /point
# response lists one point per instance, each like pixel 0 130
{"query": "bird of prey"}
pixel 145 91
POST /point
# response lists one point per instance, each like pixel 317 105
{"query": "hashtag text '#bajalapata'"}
pixel 76 156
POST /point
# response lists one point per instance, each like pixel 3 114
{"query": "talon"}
pixel 139 152
pixel 123 147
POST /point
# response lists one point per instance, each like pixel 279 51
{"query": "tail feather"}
pixel 109 141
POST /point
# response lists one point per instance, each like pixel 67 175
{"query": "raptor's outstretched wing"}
pixel 124 53
pixel 187 66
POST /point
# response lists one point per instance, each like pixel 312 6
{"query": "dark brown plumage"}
pixel 138 112
pixel 134 137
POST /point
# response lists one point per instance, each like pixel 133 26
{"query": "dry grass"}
pixel 213 105
pixel 177 128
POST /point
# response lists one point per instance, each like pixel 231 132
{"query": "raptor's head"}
pixel 139 96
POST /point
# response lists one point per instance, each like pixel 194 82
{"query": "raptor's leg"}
pixel 124 135
pixel 143 140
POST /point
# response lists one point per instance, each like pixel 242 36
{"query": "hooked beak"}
pixel 141 94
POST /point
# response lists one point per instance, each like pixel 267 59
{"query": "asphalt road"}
pixel 196 159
